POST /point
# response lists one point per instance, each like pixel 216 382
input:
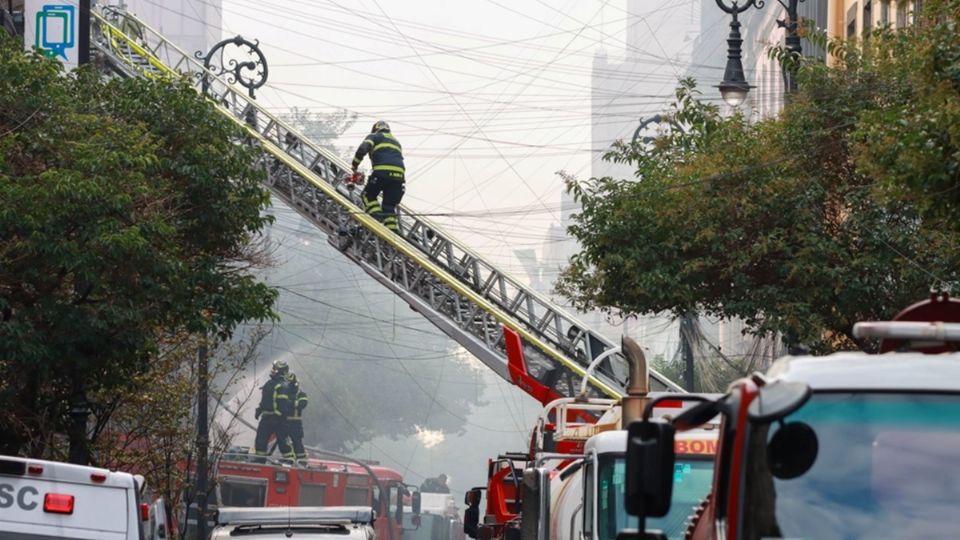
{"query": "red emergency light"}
pixel 35 469
pixel 144 512
pixel 98 478
pixel 58 503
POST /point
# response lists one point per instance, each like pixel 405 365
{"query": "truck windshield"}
pixel 691 483
pixel 885 467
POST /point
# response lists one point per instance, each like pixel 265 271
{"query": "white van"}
pixel 46 499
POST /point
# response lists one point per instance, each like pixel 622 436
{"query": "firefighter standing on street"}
pixel 388 174
pixel 273 402
pixel 298 402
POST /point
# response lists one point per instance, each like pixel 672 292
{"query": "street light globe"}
pixel 734 95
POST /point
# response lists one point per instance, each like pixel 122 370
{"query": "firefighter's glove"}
pixel 256 414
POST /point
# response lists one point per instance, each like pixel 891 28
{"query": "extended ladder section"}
pixel 459 291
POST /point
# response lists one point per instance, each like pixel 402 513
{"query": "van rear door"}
pixel 41 499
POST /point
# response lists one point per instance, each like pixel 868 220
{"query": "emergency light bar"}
pixel 908 330
pixel 315 515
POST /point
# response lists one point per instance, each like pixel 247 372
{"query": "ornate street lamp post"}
pixel 655 119
pixel 251 74
pixel 734 87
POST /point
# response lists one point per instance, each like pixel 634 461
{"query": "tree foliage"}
pixel 321 128
pixel 787 222
pixel 130 211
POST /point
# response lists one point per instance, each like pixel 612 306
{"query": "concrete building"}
pixel 634 76
pixel 192 26
pixel 856 18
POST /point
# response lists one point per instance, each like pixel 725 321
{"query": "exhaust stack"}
pixel 635 401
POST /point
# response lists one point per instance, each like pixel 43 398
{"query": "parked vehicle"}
pixel 242 481
pixel 570 484
pixel 48 499
pixel 849 445
pixel 438 519
pixel 303 522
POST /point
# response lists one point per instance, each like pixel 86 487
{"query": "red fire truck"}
pixel 562 488
pixel 241 481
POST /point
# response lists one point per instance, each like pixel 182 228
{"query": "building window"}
pixel 901 14
pixel 852 21
pixel 884 12
pixel 867 17
pixel 917 7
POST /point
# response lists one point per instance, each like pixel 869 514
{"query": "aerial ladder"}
pixel 462 293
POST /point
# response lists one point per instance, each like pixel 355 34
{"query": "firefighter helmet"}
pixel 292 377
pixel 279 368
pixel 380 125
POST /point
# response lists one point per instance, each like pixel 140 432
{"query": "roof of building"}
pixel 911 371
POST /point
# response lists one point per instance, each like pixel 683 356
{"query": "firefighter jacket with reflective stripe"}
pixel 290 390
pixel 273 397
pixel 299 404
pixel 385 152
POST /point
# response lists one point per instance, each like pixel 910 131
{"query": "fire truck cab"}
pixel 243 482
pixel 570 485
pixel 849 445
pixel 589 504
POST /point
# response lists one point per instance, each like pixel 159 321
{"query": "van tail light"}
pixel 144 512
pixel 57 503
pixel 35 469
pixel 98 478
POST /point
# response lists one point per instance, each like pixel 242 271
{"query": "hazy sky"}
pixel 489 98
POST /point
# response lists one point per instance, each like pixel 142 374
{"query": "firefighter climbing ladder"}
pixel 465 296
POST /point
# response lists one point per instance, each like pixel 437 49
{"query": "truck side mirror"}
pixel 471 516
pixel 472 497
pixel 778 400
pixel 649 470
pixel 400 491
pixel 415 502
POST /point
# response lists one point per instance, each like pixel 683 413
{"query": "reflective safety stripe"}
pixel 390 136
pixel 391 168
pixel 302 456
pixel 262 453
pixel 297 418
pixel 386 145
pixel 290 455
pixel 367 141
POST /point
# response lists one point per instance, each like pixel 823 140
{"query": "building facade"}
pixel 193 26
pixel 857 18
